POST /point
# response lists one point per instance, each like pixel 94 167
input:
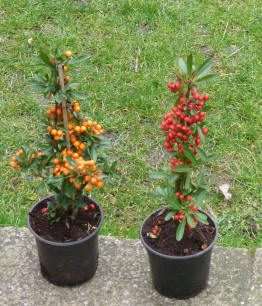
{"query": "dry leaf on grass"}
pixel 224 189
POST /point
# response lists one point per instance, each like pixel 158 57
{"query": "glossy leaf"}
pixel 182 66
pixel 199 130
pixel 189 64
pixel 71 161
pixel 204 68
pixel 79 59
pixel 190 221
pixel 189 154
pixel 182 169
pixel 157 175
pixel 202 154
pixel 201 217
pixel 206 79
pixel 169 216
pixel 180 230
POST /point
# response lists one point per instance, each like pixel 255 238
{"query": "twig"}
pixel 136 61
pixel 64 108
pixel 225 31
pixel 235 52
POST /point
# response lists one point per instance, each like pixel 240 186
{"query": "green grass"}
pixel 131 105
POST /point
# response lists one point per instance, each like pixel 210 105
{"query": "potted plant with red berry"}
pixel 71 164
pixel 179 239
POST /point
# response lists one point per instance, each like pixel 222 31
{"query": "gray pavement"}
pixel 122 277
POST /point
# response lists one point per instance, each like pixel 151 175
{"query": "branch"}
pixel 64 109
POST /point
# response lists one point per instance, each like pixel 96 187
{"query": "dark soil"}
pixel 84 224
pixel 192 242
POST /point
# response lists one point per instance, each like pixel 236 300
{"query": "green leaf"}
pixel 180 230
pixel 190 221
pixel 169 216
pixel 79 59
pixel 71 161
pixel 182 66
pixel 189 154
pixel 172 178
pixel 77 95
pixel 204 68
pixel 200 178
pixel 26 152
pixel 44 57
pixel 202 137
pixel 80 203
pixel 68 189
pixel 93 153
pixel 55 181
pixel 59 96
pixel 202 154
pixel 188 180
pixel 201 217
pixel 182 169
pixel 200 197
pixel 206 79
pixel 161 191
pixel 40 187
pixel 189 64
pixel 157 175
pixel 212 157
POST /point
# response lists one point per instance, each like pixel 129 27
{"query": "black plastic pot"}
pixel 179 277
pixel 68 263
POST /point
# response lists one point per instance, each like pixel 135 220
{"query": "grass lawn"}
pixel 130 105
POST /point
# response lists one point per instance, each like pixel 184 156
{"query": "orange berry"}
pixel 83 129
pixel 65 69
pixel 91 163
pixel 94 123
pixel 67 165
pixel 39 154
pixel 70 152
pixel 59 133
pixel 12 164
pixel 14 159
pixel 118 170
pixel 52 109
pixel 87 178
pixel 88 187
pixel 77 109
pixel 52 61
pixel 82 146
pixel 49 128
pixel 99 179
pixel 66 79
pixel 48 112
pixel 99 127
pixel 77 129
pixel 93 180
pixel 72 180
pixel 68 53
pixel 20 152
pixel 53 132
pixel 89 123
pixel 99 185
pixel 84 172
pixel 56 161
pixel 56 138
pixel 75 155
pixel 80 152
pixel 70 126
pixel 77 186
pixel 77 143
pixel 102 132
pixel 59 112
pixel 52 116
pixel 66 172
pixel 85 208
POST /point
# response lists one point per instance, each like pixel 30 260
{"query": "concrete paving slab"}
pixel 122 278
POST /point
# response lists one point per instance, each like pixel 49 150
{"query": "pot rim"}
pixel 64 244
pixel 175 256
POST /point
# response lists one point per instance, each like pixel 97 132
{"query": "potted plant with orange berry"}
pixel 179 239
pixel 70 162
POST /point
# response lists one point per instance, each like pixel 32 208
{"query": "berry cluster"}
pixel 180 124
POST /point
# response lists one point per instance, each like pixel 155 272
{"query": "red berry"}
pixel 195 208
pixel 176 217
pixel 194 92
pixel 177 85
pixel 181 217
pixel 181 100
pixel 188 198
pixel 92 206
pixel 206 97
pixel 204 131
pixel 178 193
pixel 159 222
pixel 169 85
pixel 181 197
pixel 44 210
